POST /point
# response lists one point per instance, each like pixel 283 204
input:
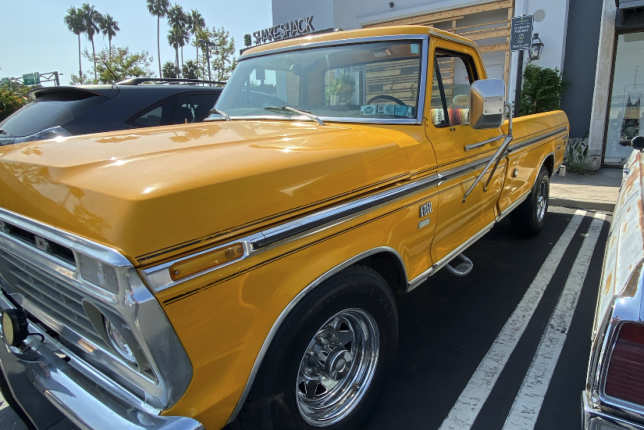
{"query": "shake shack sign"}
pixel 284 31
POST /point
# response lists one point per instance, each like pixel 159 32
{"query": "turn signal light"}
pixel 625 378
pixel 206 261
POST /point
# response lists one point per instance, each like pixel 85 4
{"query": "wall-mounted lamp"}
pixel 536 48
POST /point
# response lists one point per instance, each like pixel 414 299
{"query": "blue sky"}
pixel 35 38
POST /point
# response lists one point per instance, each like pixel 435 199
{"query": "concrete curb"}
pixel 577 204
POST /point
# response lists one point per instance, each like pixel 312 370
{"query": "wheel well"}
pixel 549 162
pixel 389 267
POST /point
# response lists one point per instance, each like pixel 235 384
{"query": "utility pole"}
pixel 520 40
pixel 517 92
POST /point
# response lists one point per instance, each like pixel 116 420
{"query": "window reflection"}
pixel 625 112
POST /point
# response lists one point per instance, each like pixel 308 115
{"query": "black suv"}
pixel 73 110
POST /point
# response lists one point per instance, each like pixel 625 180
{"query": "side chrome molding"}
pixel 278 322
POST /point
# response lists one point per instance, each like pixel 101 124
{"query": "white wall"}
pixel 288 10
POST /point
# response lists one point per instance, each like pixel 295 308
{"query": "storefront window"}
pixel 626 112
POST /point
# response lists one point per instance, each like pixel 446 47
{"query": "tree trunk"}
pixel 94 54
pixel 176 61
pixel 159 46
pixel 182 56
pixel 80 63
pixel 109 41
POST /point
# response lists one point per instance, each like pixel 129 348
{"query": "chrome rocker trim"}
pixel 411 285
pixel 77 398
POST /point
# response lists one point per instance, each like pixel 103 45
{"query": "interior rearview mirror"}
pixel 638 143
pixel 487 101
pixel 260 74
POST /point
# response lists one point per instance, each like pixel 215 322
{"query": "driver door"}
pixel 461 151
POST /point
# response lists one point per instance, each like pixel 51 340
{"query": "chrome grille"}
pixel 53 297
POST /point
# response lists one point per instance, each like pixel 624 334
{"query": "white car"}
pixel 614 394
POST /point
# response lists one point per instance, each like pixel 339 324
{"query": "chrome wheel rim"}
pixel 337 367
pixel 542 200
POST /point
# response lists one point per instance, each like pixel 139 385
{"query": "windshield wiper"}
pixel 300 111
pixel 220 112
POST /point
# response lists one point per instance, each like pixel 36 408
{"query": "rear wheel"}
pixel 530 216
pixel 328 362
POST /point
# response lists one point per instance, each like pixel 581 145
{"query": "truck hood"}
pixel 157 193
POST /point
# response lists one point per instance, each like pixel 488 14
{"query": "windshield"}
pixel 39 115
pixel 364 81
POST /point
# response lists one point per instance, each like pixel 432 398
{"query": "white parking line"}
pixel 471 400
pixel 527 404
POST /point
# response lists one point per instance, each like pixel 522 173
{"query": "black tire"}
pixel 525 219
pixel 272 403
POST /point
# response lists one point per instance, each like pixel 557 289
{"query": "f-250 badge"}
pixel 425 209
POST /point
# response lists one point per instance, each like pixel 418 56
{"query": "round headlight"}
pixel 15 327
pixel 118 342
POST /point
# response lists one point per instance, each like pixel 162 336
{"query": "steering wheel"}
pixel 386 97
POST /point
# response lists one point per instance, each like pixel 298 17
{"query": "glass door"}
pixel 626 110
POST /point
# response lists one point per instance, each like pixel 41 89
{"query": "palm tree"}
pixel 91 17
pixel 190 70
pixel 158 8
pixel 175 39
pixel 178 20
pixel 109 27
pixel 195 23
pixel 76 24
pixel 169 70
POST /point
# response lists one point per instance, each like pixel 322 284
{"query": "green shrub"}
pixel 542 90
pixel 12 98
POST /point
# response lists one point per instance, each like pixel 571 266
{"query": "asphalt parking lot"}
pixel 503 348
pixel 456 333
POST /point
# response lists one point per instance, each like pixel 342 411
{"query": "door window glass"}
pixel 625 118
pixel 193 108
pixel 156 115
pixel 453 75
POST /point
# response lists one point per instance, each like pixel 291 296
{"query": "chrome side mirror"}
pixel 638 143
pixel 487 101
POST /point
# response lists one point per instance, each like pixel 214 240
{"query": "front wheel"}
pixel 530 216
pixel 328 362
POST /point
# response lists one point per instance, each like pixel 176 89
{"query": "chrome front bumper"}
pixel 595 419
pixel 47 370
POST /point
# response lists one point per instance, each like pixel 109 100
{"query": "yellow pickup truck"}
pixel 243 271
